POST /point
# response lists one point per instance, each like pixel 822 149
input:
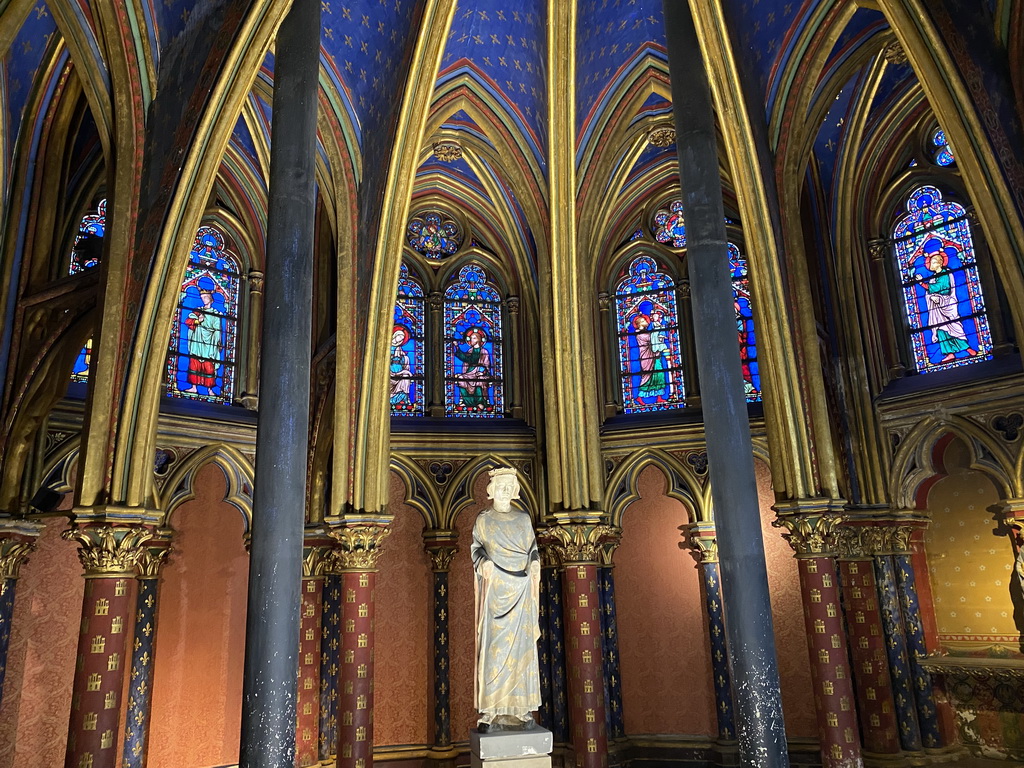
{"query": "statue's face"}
pixel 504 490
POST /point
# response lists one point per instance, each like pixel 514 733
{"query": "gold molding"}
pixel 107 550
pixel 360 546
pixel 578 543
pixel 810 534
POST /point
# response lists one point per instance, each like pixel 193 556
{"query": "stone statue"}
pixel 507 566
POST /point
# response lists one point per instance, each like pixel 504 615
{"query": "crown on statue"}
pixel 502 472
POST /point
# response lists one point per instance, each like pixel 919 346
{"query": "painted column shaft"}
pixel 719 653
pixel 275 565
pixel 442 664
pixel 140 686
pixel 555 619
pixel 610 642
pixel 924 698
pixel 873 685
pixel 355 699
pixel 583 653
pixel 7 590
pixel 762 737
pixel 545 713
pixel 896 650
pixel 330 667
pixel 99 671
pixel 308 721
pixel 838 734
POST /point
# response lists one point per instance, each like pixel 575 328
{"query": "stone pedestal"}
pixel 511 749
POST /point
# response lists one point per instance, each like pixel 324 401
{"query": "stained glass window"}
pixel 941 151
pixel 939 280
pixel 650 363
pixel 435 235
pixel 201 363
pixel 407 390
pixel 473 384
pixel 80 373
pixel 85 253
pixel 745 325
pixel 668 225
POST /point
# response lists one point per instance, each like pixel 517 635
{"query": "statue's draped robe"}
pixel 507 620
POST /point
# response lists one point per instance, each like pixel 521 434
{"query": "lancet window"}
pixel 745 325
pixel 85 254
pixel 201 360
pixel 473 357
pixel 407 363
pixel 939 283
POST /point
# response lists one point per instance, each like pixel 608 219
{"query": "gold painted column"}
pixel 578 549
pixel 17 540
pixel 441 546
pixel 810 530
pixel 307 726
pixel 109 555
pixel 250 394
pixel 358 552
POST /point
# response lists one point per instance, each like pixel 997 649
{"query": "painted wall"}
pixel 200 638
pixel 41 659
pixel 402 638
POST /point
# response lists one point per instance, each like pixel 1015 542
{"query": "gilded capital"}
pixel 579 543
pixel 441 555
pixel 108 549
pixel 359 547
pixel 888 539
pixel 810 534
pixel 13 554
pixel 316 561
pixel 704 548
pixel 151 560
pixel 851 543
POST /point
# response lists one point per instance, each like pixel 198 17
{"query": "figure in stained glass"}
pixel 88 245
pixel 669 227
pixel 434 235
pixel 648 332
pixel 745 325
pixel 202 355
pixel 473 362
pixel 941 288
pixel 406 378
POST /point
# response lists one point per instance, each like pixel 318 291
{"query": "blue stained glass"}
pixel 80 373
pixel 745 325
pixel 647 323
pixel 940 284
pixel 943 152
pixel 668 225
pixel 407 391
pixel 434 235
pixel 473 383
pixel 85 253
pixel 636 235
pixel 201 363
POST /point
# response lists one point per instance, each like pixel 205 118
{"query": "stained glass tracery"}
pixel 435 235
pixel 407 370
pixel 940 284
pixel 669 227
pixel 647 324
pixel 745 325
pixel 201 363
pixel 942 152
pixel 473 364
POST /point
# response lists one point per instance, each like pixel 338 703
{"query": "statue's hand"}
pixel 487 569
pixel 535 569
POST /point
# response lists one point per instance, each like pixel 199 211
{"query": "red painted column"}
pixel 810 532
pixel 360 548
pixel 578 549
pixel 872 683
pixel 109 555
pixel 307 727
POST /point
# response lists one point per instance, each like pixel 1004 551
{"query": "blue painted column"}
pixel 546 711
pixel 330 665
pixel 896 643
pixel 610 643
pixel 17 540
pixel 140 687
pixel 906 587
pixel 441 547
pixel 704 548
pixel 555 629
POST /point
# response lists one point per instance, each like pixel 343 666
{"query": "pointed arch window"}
pixel 473 365
pixel 940 284
pixel 85 254
pixel 201 361
pixel 745 325
pixel 407 370
pixel 647 324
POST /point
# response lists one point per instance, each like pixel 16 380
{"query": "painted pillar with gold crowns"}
pixel 577 546
pixel 810 530
pixel 109 555
pixel 140 684
pixel 441 546
pixel 17 540
pixel 610 640
pixel 307 722
pixel 704 548
pixel 359 548
pixel 872 682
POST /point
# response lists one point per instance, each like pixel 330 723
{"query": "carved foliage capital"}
pixel 108 549
pixel 14 553
pixel 441 555
pixel 360 546
pixel 704 548
pixel 576 543
pixel 151 559
pixel 811 534
pixel 316 560
pixel 888 539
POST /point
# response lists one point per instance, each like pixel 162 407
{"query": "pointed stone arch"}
pixel 683 485
pixel 459 495
pixel 238 473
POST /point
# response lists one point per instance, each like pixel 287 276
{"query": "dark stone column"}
pixel 140 687
pixel 704 548
pixel 109 555
pixel 441 547
pixel 762 733
pixel 17 540
pixel 610 643
pixel 275 564
pixel 330 665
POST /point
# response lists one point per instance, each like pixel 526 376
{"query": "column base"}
pixel 511 749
